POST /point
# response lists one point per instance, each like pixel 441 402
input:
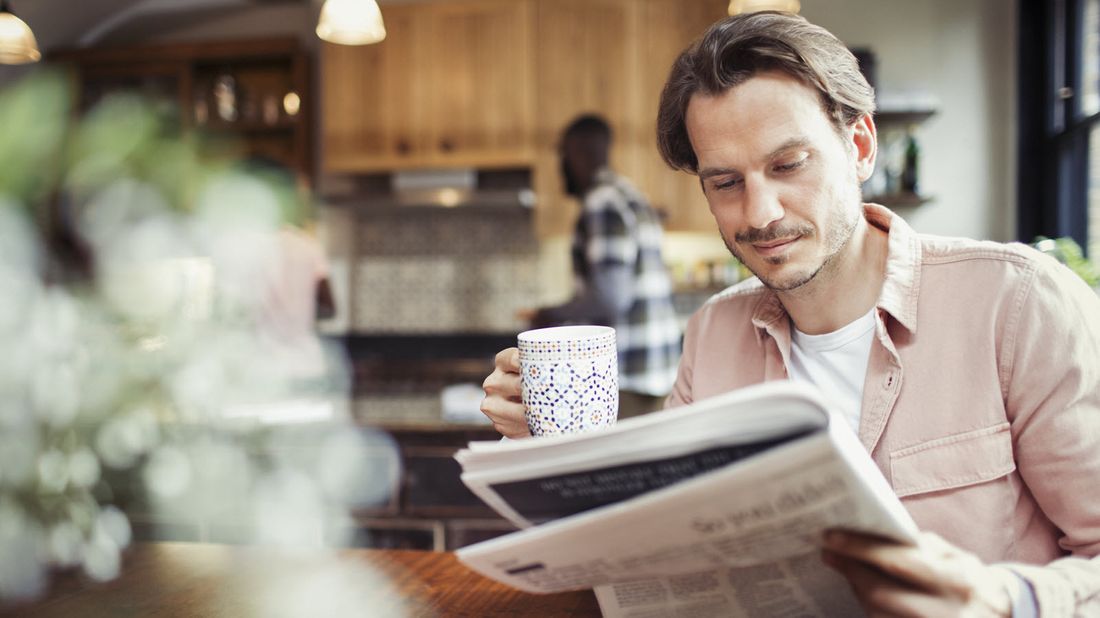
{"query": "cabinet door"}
pixel 585 63
pixel 479 79
pixel 449 86
pixel 375 110
pixel 668 27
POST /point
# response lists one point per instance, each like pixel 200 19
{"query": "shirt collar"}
pixel 604 176
pixel 900 285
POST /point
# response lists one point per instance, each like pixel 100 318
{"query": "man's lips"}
pixel 773 247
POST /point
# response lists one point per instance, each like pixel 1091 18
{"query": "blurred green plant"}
pixel 1067 251
pixel 36 116
pixel 134 272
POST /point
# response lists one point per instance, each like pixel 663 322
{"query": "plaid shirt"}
pixel 618 227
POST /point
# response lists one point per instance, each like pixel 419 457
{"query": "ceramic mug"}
pixel 570 378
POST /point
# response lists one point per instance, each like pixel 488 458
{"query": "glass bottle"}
pixel 912 163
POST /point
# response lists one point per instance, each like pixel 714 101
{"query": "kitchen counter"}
pixel 398 379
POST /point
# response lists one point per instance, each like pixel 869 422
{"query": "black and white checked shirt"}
pixel 618 227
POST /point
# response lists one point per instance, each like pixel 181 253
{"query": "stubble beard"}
pixel 836 239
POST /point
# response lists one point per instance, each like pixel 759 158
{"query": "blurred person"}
pixel 298 294
pixel 296 287
pixel 969 369
pixel 620 274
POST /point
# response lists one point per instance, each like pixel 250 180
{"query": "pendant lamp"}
pixel 17 44
pixel 351 22
pixel 752 6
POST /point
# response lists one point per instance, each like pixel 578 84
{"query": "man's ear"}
pixel 865 142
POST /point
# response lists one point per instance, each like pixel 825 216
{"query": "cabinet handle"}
pixel 446 145
pixel 403 147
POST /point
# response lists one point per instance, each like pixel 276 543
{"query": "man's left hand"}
pixel 932 578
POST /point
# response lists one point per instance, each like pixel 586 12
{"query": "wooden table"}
pixel 193 579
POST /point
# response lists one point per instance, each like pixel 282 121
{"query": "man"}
pixel 622 281
pixel 969 369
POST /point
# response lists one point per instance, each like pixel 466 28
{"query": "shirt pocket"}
pixel 953 461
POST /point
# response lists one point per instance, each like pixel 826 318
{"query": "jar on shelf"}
pixel 225 97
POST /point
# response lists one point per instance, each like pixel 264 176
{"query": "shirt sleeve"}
pixel 320 260
pixel 608 294
pixel 609 248
pixel 1051 366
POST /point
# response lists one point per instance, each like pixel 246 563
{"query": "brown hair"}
pixel 736 48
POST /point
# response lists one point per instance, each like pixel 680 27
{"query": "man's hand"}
pixel 502 402
pixel 933 578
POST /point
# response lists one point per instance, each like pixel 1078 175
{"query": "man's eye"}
pixel 726 184
pixel 790 166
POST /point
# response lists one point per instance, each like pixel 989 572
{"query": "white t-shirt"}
pixel 836 363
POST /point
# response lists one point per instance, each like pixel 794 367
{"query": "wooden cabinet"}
pixel 246 98
pixel 669 26
pixel 450 86
pixel 374 111
pixel 491 83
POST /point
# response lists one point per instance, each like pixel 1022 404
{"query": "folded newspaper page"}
pixel 712 509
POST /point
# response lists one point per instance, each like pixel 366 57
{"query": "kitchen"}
pixel 432 155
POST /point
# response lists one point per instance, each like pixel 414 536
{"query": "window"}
pixel 1059 148
pixel 1089 107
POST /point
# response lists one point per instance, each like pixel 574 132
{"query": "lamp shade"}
pixel 17 44
pixel 351 22
pixel 752 6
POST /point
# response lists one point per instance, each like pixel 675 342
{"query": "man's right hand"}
pixel 503 403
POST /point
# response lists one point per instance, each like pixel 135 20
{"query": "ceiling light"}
pixel 752 6
pixel 17 44
pixel 292 103
pixel 351 22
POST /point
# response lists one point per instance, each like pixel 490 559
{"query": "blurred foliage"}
pixel 1067 251
pixel 135 270
pixel 35 116
pixel 47 152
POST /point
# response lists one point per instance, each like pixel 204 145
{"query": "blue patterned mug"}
pixel 570 378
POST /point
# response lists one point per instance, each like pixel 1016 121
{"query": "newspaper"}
pixel 711 509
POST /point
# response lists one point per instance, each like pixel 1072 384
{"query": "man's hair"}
pixel 737 48
pixel 589 126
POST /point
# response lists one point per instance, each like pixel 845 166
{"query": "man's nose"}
pixel 762 206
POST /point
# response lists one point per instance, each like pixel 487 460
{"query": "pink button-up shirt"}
pixel 981 404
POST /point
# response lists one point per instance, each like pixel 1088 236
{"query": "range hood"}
pixel 455 188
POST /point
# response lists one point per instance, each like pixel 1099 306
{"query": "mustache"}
pixel 774 232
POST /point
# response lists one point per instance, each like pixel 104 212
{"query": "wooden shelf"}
pixel 247 127
pixel 184 74
pixel 903 116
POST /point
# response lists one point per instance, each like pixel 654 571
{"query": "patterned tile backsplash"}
pixel 434 270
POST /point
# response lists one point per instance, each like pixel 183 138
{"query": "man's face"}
pixel 571 165
pixel 782 183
